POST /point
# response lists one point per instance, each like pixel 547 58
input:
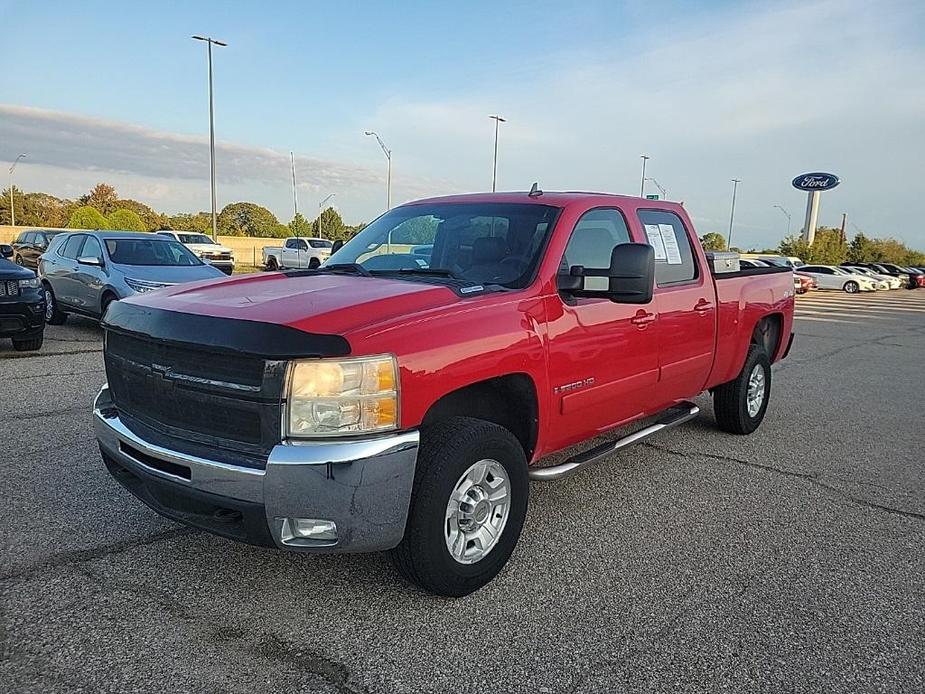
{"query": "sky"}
pixel 710 91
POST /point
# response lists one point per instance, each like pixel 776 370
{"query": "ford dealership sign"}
pixel 815 181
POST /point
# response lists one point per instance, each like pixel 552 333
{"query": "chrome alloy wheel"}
pixel 477 511
pixel 755 395
pixel 49 305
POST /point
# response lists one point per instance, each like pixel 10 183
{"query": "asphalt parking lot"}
pixel 792 560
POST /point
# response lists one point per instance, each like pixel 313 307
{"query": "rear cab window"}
pixel 674 256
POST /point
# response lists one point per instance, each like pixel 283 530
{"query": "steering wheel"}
pixel 519 261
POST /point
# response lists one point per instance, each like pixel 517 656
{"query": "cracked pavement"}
pixel 792 560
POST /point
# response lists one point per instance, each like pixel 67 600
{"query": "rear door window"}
pixel 72 247
pixel 674 256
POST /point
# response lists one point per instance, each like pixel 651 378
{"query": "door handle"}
pixel 642 319
pixel 703 306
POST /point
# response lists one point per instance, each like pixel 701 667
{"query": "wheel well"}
pixel 509 401
pixel 767 333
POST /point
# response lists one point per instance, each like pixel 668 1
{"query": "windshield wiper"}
pixel 434 271
pixel 355 268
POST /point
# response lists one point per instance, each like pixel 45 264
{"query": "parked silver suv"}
pixel 83 271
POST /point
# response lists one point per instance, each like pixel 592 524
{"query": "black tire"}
pixel 19 261
pixel 730 400
pixel 448 449
pixel 272 265
pixel 852 287
pixel 53 316
pixel 30 344
pixel 314 264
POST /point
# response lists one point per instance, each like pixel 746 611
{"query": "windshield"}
pixel 195 238
pixel 839 271
pixel 150 252
pixel 485 243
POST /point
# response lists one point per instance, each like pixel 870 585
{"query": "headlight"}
pixel 143 285
pixel 334 397
pixel 31 283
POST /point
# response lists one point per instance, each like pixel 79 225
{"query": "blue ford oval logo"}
pixel 816 181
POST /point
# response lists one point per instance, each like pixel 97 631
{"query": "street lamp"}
pixel 657 185
pixel 787 215
pixel 320 210
pixel 209 40
pixel 732 213
pixel 12 211
pixel 388 156
pixel 494 167
pixel 642 183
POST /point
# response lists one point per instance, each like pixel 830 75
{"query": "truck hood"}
pixel 322 303
pixel 207 248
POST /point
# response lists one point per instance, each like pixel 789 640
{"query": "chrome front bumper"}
pixel 363 486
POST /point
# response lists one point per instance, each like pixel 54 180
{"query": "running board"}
pixel 680 413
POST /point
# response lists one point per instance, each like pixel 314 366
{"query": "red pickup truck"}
pixel 402 396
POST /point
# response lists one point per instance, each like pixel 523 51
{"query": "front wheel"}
pixel 53 316
pixel 314 264
pixel 467 509
pixel 740 404
pixel 29 344
pixel 852 287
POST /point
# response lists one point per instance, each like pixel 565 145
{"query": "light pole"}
pixel 657 185
pixel 320 210
pixel 388 156
pixel 732 212
pixel 209 40
pixel 295 197
pixel 787 215
pixel 494 167
pixel 642 183
pixel 12 211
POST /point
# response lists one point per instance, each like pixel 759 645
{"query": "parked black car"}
pixel 29 245
pixel 22 304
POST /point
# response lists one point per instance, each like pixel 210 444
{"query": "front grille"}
pixel 9 288
pixel 230 401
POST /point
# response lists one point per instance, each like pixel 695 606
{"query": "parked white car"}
pixel 205 249
pixel 888 280
pixel 834 277
pixel 298 252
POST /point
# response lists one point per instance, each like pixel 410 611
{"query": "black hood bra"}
pixel 210 333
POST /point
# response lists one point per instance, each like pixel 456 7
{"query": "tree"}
pixel 299 226
pixel 713 242
pixel 863 249
pixel 153 221
pixel 828 248
pixel 125 220
pixel 248 219
pixel 87 217
pixel 103 197
pixel 332 225
pixel 201 222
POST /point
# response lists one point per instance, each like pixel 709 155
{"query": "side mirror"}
pixel 6 250
pixel 90 260
pixel 338 244
pixel 629 279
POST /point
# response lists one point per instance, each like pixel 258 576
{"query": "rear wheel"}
pixel 272 265
pixel 852 287
pixel 28 344
pixel 53 316
pixel 467 509
pixel 740 404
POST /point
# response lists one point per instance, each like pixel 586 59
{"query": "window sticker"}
pixel 672 250
pixel 655 240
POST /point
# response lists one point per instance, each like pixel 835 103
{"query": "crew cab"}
pixel 389 401
pixel 205 248
pixel 297 252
